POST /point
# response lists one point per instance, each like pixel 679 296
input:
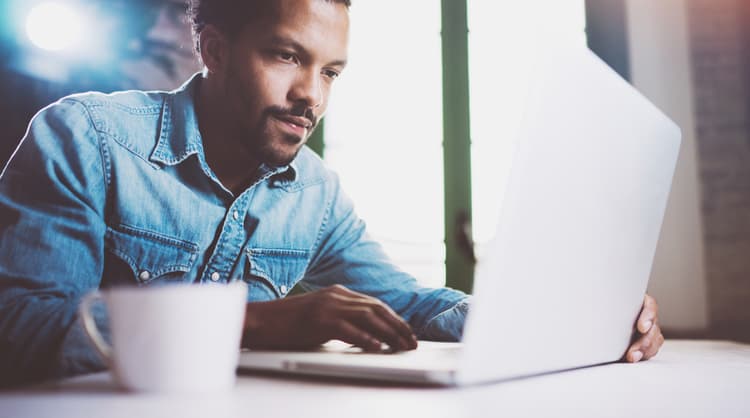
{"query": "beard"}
pixel 279 149
pixel 264 142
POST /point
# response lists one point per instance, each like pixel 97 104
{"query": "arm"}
pixel 347 256
pixel 357 295
pixel 52 229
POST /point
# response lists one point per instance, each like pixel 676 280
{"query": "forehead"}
pixel 316 24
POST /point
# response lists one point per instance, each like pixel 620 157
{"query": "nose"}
pixel 307 89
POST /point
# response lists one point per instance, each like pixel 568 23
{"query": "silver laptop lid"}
pixel 563 281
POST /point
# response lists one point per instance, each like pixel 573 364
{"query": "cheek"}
pixel 247 99
pixel 272 84
pixel 272 92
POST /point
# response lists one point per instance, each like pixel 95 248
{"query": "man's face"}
pixel 279 74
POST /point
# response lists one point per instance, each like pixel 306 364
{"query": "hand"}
pixel 311 319
pixel 648 332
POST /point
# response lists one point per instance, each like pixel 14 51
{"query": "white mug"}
pixel 171 338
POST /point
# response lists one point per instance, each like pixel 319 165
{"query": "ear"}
pixel 214 49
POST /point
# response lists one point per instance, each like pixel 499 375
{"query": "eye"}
pixel 331 74
pixel 288 57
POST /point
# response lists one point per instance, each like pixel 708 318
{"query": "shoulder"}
pixel 314 175
pixel 99 106
pixel 132 119
pixel 131 101
pixel 312 170
pixel 108 112
pixel 104 110
pixel 82 118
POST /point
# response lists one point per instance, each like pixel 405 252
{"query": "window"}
pixel 384 129
pixel 383 132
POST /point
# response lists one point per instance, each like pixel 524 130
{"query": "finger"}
pixel 357 310
pixel 650 302
pixel 340 290
pixel 656 339
pixel 397 323
pixel 635 351
pixel 366 319
pixel 386 314
pixel 647 318
pixel 349 333
pixel 634 356
pixel 646 346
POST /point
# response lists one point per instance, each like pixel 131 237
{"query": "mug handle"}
pixel 89 325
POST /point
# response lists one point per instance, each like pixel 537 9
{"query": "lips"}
pixel 298 121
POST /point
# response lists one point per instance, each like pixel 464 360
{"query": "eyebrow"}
pixel 279 40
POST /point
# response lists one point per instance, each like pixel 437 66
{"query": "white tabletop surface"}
pixel 686 379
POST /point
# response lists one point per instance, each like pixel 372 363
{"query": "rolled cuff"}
pixel 447 325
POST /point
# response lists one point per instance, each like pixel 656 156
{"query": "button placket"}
pixel 229 245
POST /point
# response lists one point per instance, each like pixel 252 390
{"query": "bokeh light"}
pixel 55 26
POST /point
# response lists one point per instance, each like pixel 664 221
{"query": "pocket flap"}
pixel 279 268
pixel 150 254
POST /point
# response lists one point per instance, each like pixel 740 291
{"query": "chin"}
pixel 278 150
pixel 276 158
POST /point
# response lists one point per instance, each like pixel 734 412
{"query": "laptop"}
pixel 562 283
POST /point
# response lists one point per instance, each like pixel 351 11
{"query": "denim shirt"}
pixel 109 190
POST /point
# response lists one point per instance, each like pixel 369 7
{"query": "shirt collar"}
pixel 180 137
pixel 280 174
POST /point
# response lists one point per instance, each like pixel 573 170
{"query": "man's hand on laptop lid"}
pixel 648 337
pixel 334 313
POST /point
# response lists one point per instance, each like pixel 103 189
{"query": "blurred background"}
pixel 447 102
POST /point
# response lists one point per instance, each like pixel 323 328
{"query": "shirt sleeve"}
pixel 346 255
pixel 52 202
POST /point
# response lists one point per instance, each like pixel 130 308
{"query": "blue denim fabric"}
pixel 109 190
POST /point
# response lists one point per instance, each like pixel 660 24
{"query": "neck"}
pixel 222 144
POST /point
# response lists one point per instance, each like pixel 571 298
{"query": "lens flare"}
pixel 55 26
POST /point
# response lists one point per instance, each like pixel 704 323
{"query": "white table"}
pixel 686 379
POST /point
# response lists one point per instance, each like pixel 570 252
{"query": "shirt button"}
pixel 215 276
pixel 144 275
pixel 236 215
pixel 283 289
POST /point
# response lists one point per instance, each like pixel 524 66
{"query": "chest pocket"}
pixel 150 256
pixel 271 273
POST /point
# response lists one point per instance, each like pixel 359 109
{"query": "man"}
pixel 210 183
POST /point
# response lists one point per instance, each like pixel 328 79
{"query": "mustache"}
pixel 298 111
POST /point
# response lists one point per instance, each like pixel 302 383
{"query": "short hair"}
pixel 229 16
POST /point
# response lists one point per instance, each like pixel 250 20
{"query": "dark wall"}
pixel 721 53
pixel 22 97
pixel 606 33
